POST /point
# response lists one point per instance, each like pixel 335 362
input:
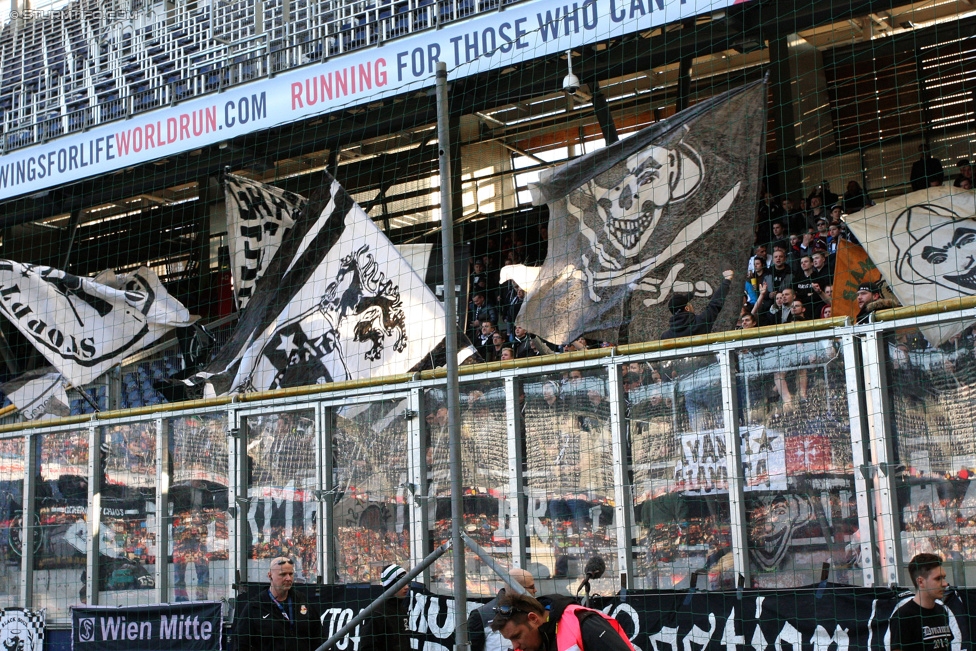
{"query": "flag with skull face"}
pixel 664 211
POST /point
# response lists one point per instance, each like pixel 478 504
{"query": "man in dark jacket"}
pixel 684 321
pixel 386 628
pixel 531 625
pixel 280 619
pixel 479 621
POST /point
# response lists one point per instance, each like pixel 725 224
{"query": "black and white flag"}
pixel 39 395
pixel 22 629
pixel 336 302
pixel 84 326
pixel 924 244
pixel 666 210
pixel 258 216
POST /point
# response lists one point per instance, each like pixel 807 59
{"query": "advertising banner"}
pixel 191 626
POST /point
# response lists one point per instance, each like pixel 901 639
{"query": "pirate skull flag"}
pixel 336 302
pixel 664 211
pixel 924 244
pixel 258 215
pixel 84 326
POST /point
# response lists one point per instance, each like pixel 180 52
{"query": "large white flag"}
pixel 38 395
pixel 924 244
pixel 84 326
pixel 258 216
pixel 337 302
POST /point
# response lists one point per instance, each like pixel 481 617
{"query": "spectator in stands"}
pixel 966 184
pixel 780 310
pixel 760 252
pixel 798 312
pixel 820 269
pixel 833 236
pixel 803 284
pixel 781 274
pixel 965 173
pixel 779 238
pixel 684 321
pixel 869 300
pixel 927 170
pixel 855 198
pixel 484 340
pixel 508 353
pixel 815 212
pixel 796 221
pixel 758 282
pixel 479 279
pixel 520 342
pixel 768 213
pixel 494 350
pixel 514 305
pixel 480 310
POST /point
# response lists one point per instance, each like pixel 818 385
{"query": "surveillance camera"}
pixel 571 83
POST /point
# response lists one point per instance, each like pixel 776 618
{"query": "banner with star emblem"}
pixel 666 210
pixel 85 326
pixel 703 469
pixel 337 302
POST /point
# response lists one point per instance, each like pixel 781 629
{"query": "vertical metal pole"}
pixel 733 463
pixel 163 481
pixel 237 448
pixel 860 455
pixel 624 506
pixel 450 335
pixel 326 538
pixel 31 470
pixel 416 492
pixel 513 421
pixel 879 430
pixel 94 512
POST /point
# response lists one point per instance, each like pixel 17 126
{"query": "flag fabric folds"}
pixel 84 326
pixel 38 395
pixel 851 268
pixel 258 216
pixel 924 244
pixel 336 302
pixel 664 211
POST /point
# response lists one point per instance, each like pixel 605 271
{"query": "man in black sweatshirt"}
pixel 684 321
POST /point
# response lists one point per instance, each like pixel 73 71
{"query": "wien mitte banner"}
pixel 192 626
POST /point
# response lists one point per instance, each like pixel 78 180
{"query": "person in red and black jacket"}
pixel 556 623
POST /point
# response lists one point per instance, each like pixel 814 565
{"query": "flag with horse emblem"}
pixel 337 302
pixel 22 629
pixel 924 244
pixel 664 211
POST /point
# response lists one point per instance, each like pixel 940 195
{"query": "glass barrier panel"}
pixel 197 513
pixel 61 534
pixel 931 392
pixel 127 531
pixel 282 512
pixel 674 423
pixel 484 481
pixel 371 495
pixel 801 510
pixel 568 476
pixel 11 519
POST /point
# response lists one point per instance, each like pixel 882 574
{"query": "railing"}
pixel 669 459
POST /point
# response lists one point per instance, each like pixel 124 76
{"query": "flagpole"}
pixel 450 335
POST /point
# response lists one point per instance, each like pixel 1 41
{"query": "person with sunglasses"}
pixel 480 635
pixel 556 623
pixel 280 618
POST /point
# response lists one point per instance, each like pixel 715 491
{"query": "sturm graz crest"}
pixel 21 629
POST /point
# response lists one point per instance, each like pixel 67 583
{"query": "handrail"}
pixel 697 341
